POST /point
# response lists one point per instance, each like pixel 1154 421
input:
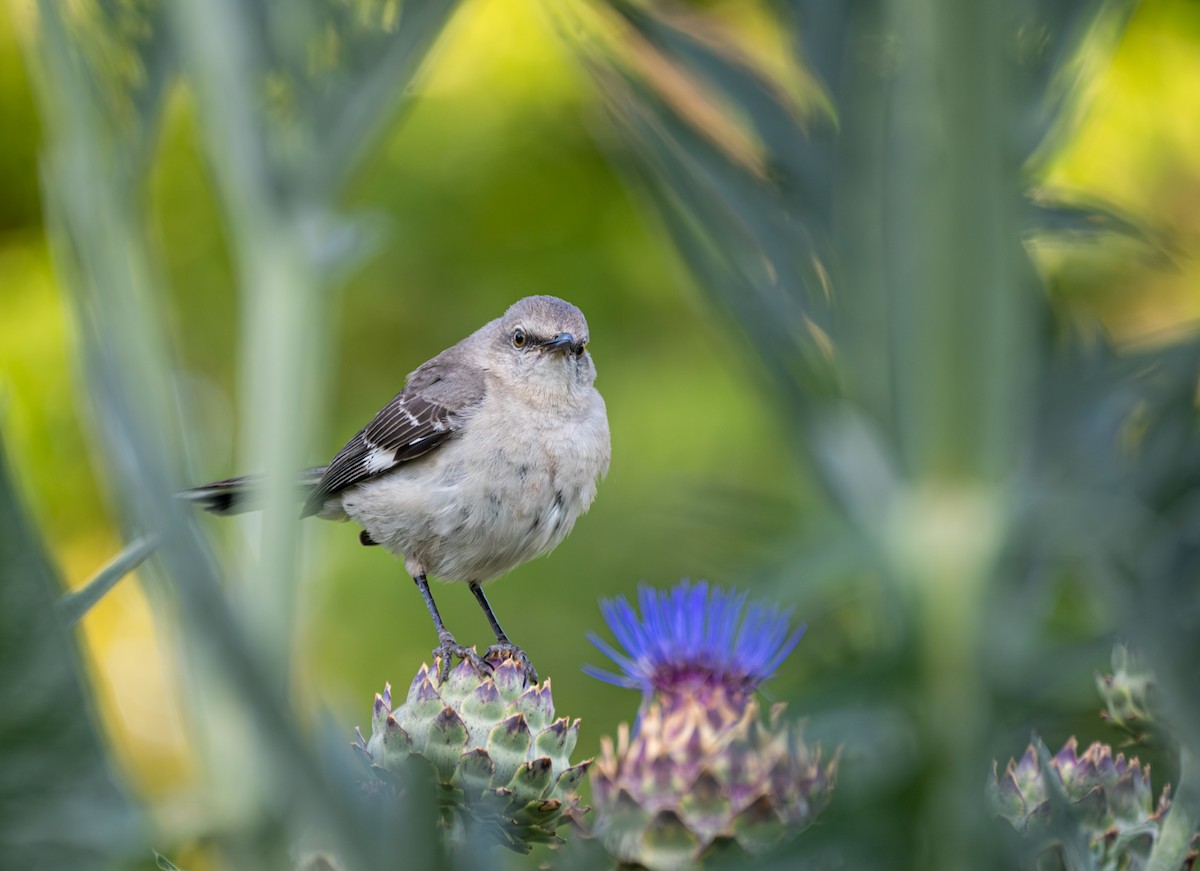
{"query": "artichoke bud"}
pixel 500 756
pixel 1109 798
pixel 682 786
pixel 1127 695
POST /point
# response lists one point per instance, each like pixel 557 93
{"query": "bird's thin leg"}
pixel 487 609
pixel 502 645
pixel 447 647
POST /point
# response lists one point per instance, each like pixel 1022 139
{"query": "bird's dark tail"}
pixel 240 495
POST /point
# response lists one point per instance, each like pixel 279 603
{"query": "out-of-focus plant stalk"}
pixel 958 307
pixel 93 179
pixel 73 606
pixel 103 69
pixel 960 300
pixel 943 544
pixel 1183 819
pixel 280 341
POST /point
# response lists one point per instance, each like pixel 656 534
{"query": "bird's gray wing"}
pixel 433 406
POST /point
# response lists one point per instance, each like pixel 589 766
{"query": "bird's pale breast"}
pixel 507 489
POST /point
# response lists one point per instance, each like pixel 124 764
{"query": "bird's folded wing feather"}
pixel 432 407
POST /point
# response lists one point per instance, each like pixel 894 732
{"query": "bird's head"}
pixel 542 342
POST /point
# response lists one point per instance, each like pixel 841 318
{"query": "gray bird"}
pixel 484 461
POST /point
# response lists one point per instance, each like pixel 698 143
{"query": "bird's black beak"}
pixel 562 342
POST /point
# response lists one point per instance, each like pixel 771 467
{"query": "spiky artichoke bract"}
pixel 1108 798
pixel 702 770
pixel 501 758
pixel 1127 694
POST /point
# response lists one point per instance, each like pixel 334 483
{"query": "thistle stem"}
pixel 73 606
pixel 1179 827
pixel 954 534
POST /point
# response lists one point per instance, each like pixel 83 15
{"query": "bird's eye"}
pixel 579 350
pixel 519 339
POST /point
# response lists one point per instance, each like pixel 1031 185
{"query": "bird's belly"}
pixel 474 510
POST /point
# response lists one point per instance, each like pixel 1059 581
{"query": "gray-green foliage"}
pixel 1098 809
pixel 974 449
pixel 289 96
pixel 1094 809
pixel 61 804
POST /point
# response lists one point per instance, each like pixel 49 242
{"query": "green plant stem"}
pixel 281 342
pixel 958 303
pixel 73 606
pixel 1183 819
pixel 944 543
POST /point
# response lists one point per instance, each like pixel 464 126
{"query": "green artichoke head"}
pixel 500 756
pixel 1108 798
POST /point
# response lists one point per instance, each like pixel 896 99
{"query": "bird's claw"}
pixel 448 649
pixel 508 650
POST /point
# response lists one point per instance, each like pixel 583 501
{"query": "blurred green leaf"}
pixel 1065 829
pixel 130 63
pixel 1049 41
pixel 382 58
pixel 1180 834
pixel 735 231
pixel 266 781
pixel 61 806
pixel 943 380
pixel 796 141
pixel 1093 223
pixel 324 78
pixel 823 32
pixel 742 186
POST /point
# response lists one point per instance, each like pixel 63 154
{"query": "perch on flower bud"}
pixel 702 769
pixel 501 759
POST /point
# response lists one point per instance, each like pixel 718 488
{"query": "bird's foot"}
pixel 448 649
pixel 508 650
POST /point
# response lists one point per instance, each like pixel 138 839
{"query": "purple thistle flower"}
pixel 700 767
pixel 691 640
